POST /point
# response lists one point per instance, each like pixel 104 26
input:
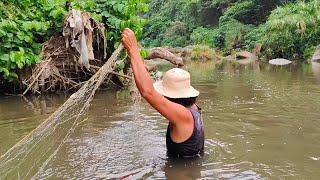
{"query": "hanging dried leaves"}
pixel 65 60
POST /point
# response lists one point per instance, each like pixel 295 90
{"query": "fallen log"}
pixel 163 53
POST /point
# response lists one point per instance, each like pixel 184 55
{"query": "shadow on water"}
pixel 261 122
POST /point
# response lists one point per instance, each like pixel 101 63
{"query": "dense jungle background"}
pixel 284 28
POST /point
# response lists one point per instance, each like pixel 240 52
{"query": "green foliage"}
pixel 204 36
pixel 225 24
pixel 203 53
pixel 291 29
pixel 308 52
pixel 234 33
pixel 24 26
pixel 118 15
pixel 170 24
pixel 248 11
pixel 254 37
pixel 239 10
pixel 144 53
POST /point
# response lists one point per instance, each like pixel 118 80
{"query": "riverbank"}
pixel 179 56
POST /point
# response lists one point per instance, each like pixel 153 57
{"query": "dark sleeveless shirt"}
pixel 193 146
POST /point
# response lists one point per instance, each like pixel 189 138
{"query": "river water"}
pixel 261 122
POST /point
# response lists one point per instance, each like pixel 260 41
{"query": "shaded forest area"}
pixel 285 28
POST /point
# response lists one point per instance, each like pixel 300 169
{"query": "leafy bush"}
pixel 233 33
pixel 239 10
pixel 170 24
pixel 292 28
pixel 118 15
pixel 204 36
pixel 174 35
pixel 308 52
pixel 175 41
pixel 254 37
pixel 203 53
pixel 24 26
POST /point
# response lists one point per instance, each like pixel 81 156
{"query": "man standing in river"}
pixel 174 98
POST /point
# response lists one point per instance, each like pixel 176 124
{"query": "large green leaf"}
pixel 120 7
pixel 2 32
pixel 5 71
pixel 4 57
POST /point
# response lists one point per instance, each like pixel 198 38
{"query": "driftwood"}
pixel 67 59
pixel 37 76
pixel 163 53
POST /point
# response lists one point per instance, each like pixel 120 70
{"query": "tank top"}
pixel 193 146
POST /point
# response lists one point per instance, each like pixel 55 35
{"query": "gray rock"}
pixel 280 62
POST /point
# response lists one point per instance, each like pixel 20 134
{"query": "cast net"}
pixel 34 151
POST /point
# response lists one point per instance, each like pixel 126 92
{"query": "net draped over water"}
pixel 33 152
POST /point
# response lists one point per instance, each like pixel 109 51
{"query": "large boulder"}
pixel 244 55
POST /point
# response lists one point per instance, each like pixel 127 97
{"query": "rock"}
pixel 153 64
pixel 186 54
pixel 246 61
pixel 186 51
pixel 244 55
pixel 230 58
pixel 316 56
pixel 280 62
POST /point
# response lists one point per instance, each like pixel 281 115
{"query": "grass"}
pixel 204 53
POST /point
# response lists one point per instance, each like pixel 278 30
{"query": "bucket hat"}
pixel 176 83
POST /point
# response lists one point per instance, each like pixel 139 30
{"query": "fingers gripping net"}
pixel 33 152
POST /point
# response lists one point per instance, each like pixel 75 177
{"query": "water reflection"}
pixel 316 70
pixel 261 122
pixel 187 169
pixel 20 115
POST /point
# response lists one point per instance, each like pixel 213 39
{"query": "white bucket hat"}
pixel 176 83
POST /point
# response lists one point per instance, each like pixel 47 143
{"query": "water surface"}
pixel 261 122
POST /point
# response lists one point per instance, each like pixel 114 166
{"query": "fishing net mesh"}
pixel 33 152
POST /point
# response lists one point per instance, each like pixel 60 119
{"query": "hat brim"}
pixel 180 93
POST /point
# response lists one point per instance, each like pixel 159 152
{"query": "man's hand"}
pixel 129 40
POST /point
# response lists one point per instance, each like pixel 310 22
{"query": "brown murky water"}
pixel 260 123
